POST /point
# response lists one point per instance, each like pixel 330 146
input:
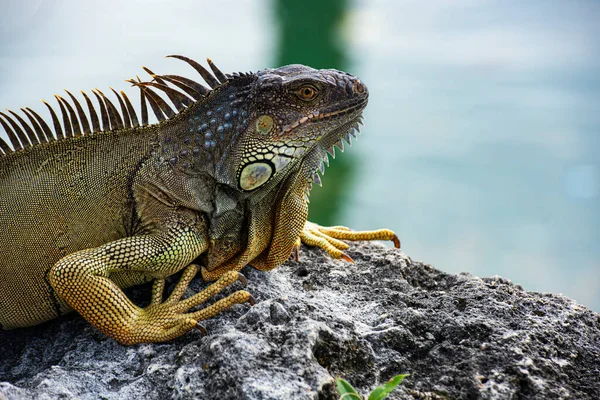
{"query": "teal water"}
pixel 482 133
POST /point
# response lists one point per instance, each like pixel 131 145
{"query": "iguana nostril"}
pixel 359 87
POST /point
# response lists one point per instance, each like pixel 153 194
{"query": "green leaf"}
pixel 380 392
pixel 347 392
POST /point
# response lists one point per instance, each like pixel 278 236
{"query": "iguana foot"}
pixel 163 321
pixel 330 238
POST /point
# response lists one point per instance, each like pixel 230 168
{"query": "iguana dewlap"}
pixel 105 201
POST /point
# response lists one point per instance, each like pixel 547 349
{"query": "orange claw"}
pixel 346 257
pixel 396 241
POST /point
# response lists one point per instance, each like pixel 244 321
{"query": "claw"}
pixel 201 329
pixel 346 257
pixel 242 279
pixel 296 253
pixel 396 241
pixel 251 300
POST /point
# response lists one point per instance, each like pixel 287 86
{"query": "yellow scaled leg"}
pixel 83 280
pixel 330 238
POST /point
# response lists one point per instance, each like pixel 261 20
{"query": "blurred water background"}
pixel 482 133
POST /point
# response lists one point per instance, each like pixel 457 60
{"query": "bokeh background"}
pixel 482 133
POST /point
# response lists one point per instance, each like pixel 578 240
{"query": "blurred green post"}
pixel 309 32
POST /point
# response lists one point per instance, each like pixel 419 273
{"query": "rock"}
pixel 459 337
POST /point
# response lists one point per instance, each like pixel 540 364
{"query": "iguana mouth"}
pixel 322 116
pixel 351 108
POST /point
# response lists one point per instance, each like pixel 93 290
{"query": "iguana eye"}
pixel 306 92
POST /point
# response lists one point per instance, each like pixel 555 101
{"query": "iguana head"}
pixel 293 116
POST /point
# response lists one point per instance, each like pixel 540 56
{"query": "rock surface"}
pixel 459 336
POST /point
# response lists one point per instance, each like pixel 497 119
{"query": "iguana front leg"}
pixel 83 280
pixel 330 238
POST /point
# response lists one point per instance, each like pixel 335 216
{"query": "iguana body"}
pixel 88 209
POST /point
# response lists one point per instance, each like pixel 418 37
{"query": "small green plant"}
pixel 347 392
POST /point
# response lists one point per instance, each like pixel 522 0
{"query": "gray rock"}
pixel 459 336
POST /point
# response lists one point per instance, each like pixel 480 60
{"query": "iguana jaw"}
pixel 318 116
pixel 324 130
pixel 321 131
pixel 318 156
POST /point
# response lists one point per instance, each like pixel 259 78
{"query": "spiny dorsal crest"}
pixel 75 122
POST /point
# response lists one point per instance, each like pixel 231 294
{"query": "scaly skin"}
pixel 222 181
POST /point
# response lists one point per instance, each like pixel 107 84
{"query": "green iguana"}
pixel 106 202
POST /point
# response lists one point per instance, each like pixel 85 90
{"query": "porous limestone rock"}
pixel 459 337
